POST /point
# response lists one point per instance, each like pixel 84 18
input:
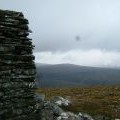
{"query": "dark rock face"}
pixel 17 67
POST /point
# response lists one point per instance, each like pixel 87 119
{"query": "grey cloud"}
pixel 94 57
pixel 56 23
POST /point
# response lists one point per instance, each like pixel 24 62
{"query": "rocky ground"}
pixel 100 102
pixel 51 110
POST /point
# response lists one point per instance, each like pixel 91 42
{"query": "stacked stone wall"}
pixel 17 67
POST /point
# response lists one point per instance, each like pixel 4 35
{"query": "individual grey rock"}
pixel 60 101
pixel 72 116
pixel 55 109
pixel 85 116
pixel 39 97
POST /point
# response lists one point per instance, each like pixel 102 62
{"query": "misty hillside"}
pixel 67 75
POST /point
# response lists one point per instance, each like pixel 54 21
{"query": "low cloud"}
pixel 93 57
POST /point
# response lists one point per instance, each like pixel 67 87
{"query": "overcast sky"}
pixel 84 32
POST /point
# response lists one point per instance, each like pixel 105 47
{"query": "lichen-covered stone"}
pixel 17 67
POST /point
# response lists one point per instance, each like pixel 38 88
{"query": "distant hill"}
pixel 68 75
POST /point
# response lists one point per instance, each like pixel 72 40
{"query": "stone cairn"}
pixel 17 67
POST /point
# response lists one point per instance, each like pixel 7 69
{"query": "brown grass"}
pixel 103 100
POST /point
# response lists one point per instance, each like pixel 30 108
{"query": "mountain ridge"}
pixel 70 75
pixel 70 64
